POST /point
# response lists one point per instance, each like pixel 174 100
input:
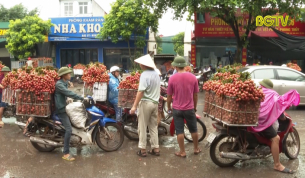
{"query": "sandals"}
pixel 179 155
pixel 197 151
pixel 139 153
pixel 286 170
pixel 152 152
pixel 69 158
pixel 26 134
pixel 1 124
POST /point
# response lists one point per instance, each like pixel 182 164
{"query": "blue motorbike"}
pixel 48 134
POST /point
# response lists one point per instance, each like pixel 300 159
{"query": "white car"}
pixel 283 78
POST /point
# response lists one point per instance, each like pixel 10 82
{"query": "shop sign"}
pixel 216 27
pixel 270 21
pixel 2 32
pixel 193 54
pixel 75 28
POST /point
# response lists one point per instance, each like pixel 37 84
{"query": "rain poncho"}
pixel 113 92
pixel 273 106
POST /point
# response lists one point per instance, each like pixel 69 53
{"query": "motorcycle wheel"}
pixel 292 144
pixel 130 135
pixel 21 119
pixel 109 144
pixel 201 129
pixel 41 147
pixel 217 147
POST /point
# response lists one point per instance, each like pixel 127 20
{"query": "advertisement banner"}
pixel 75 28
pixel 244 57
pixel 193 55
pixel 216 27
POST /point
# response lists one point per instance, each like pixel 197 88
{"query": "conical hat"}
pixel 146 61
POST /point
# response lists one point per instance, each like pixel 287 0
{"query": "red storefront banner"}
pixel 193 55
pixel 244 57
pixel 215 27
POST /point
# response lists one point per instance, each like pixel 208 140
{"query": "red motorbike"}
pixel 229 144
pixel 130 123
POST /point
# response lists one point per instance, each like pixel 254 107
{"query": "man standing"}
pixel 3 73
pixel 184 104
pixel 147 103
pixel 163 71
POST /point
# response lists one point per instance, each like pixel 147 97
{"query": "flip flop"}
pixel 286 170
pixel 27 134
pixel 1 124
pixel 179 155
pixel 152 152
pixel 139 153
pixel 69 158
pixel 198 151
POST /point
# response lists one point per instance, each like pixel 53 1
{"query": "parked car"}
pixel 283 78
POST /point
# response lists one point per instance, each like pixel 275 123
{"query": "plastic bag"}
pixel 77 113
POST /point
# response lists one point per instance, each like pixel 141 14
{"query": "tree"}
pixel 128 20
pixel 159 44
pixel 178 41
pixel 16 12
pixel 227 11
pixel 23 35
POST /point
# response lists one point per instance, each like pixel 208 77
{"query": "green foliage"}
pixel 24 34
pixel 16 12
pixel 159 44
pixel 178 41
pixel 226 10
pixel 128 19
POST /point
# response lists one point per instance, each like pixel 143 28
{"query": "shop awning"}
pixel 283 47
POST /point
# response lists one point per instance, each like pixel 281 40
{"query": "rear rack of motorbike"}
pixel 228 124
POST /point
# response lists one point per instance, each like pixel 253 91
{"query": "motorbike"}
pixel 166 127
pixel 48 133
pixel 230 144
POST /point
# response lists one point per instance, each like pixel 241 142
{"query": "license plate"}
pixel 201 82
pixel 211 137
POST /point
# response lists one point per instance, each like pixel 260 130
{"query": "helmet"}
pixel 114 68
pixel 5 69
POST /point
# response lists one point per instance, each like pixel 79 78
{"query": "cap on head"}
pixel 5 69
pixel 267 83
pixel 29 58
pixel 179 62
pixel 64 70
pixel 114 68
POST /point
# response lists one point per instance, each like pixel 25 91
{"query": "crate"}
pixel 98 91
pixel 126 98
pixel 231 112
pixel 8 96
pixel 30 104
pixel 78 71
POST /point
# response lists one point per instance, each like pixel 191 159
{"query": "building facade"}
pixel 4 54
pixel 74 37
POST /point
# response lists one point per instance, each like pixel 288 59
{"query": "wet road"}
pixel 18 158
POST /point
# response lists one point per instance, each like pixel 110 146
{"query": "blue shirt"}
pixel 113 92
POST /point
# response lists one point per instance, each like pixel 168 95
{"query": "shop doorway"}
pixel 75 56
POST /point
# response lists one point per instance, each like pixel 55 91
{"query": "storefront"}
pixel 76 42
pixel 4 54
pixel 214 39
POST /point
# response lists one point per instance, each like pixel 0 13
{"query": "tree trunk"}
pixel 238 55
pixel 130 53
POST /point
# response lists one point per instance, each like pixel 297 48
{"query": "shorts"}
pixel 190 118
pixel 269 133
pixel 1 103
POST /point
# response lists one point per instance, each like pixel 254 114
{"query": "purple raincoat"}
pixel 273 106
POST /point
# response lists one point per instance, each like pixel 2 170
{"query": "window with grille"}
pixel 68 9
pixel 83 7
